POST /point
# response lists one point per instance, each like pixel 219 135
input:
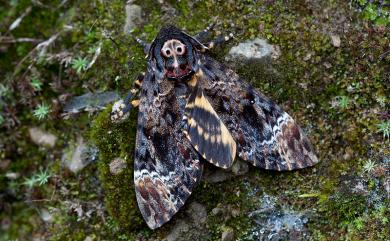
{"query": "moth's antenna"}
pixel 144 44
pixel 196 42
pixel 204 34
pixel 220 40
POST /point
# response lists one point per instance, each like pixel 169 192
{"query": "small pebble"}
pixel 41 137
pixel 117 165
pixel 228 235
pixel 336 41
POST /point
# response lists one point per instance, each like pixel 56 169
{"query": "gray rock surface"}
pixel 253 49
pixel 79 155
pixel 277 222
pixel 90 102
pixel 240 168
pixel 133 16
pixel 198 213
pixel 191 226
pixel 228 235
pixel 177 231
pixel 218 175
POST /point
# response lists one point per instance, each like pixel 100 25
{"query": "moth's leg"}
pixel 220 40
pixel 205 34
pixel 144 44
pixel 121 108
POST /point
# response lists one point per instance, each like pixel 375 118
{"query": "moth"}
pixel 194 109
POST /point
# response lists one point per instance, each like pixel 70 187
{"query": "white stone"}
pixel 42 138
pixel 117 165
pixel 336 41
pixel 46 216
pixel 254 49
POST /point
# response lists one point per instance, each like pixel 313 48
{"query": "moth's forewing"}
pixel 166 167
pixel 266 136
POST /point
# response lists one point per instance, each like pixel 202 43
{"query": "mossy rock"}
pixel 117 140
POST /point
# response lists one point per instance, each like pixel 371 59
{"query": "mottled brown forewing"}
pixel 166 167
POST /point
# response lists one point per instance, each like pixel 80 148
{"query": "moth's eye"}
pixel 166 52
pixel 179 50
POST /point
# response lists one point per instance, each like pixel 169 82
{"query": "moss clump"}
pixel 117 141
pixel 344 208
pixel 375 11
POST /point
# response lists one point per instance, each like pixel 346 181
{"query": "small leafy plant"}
pixel 359 223
pixel 39 179
pixel 41 111
pixel 4 91
pixel 30 182
pixel 384 128
pixel 369 166
pixel 381 100
pixel 36 84
pixel 375 11
pixel 343 101
pixel 79 64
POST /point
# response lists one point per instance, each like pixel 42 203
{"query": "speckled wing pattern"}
pixel 206 131
pixel 166 167
pixel 266 136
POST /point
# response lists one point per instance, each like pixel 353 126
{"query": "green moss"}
pixel 374 11
pixel 117 141
pixel 345 208
pixel 231 198
pixel 23 219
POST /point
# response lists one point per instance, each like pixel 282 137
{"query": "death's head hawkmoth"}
pixel 194 109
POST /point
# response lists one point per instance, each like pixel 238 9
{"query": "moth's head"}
pixel 176 57
pixel 175 53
